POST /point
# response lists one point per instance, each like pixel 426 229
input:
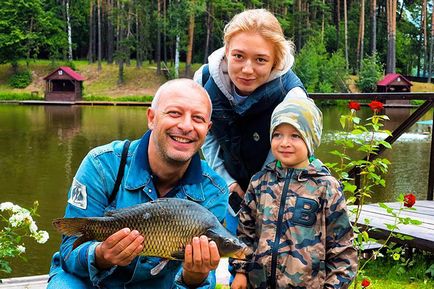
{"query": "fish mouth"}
pixel 242 253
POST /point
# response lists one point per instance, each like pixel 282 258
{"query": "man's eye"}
pixel 237 56
pixel 199 119
pixel 261 60
pixel 174 113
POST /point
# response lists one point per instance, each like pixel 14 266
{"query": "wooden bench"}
pixel 423 235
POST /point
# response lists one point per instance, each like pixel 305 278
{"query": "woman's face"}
pixel 250 61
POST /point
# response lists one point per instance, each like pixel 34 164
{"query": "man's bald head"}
pixel 184 84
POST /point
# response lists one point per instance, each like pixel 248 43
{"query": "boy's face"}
pixel 288 147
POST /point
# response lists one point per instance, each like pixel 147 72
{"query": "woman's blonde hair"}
pixel 265 24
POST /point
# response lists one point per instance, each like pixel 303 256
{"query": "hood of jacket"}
pixel 218 69
pixel 315 169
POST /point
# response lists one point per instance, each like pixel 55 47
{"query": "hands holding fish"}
pixel 123 246
pixel 119 249
pixel 200 258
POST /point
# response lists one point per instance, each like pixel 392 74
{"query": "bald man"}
pixel 164 163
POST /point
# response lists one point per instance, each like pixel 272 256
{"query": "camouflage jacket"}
pixel 297 224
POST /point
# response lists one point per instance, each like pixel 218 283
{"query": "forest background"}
pixel 333 38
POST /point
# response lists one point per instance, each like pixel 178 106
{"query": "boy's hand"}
pixel 240 281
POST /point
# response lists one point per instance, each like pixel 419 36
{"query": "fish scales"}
pixel 167 225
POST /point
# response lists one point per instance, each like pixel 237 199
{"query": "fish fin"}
pixel 178 255
pixel 122 211
pixel 157 269
pixel 79 241
pixel 70 226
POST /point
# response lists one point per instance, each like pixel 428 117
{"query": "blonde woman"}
pixel 246 79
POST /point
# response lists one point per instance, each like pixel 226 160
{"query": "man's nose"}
pixel 186 123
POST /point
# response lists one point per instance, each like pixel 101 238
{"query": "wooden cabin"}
pixel 63 84
pixel 394 82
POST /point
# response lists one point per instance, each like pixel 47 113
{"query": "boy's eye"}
pixel 276 135
pixel 296 136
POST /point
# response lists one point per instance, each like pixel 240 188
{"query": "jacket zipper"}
pixel 276 244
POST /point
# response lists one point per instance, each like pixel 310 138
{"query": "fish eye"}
pixel 227 242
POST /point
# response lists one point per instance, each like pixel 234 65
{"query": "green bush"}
pixel 321 71
pixel 369 75
pixel 21 79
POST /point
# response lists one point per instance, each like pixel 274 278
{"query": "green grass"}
pixel 146 98
pixel 19 96
pixel 385 273
pixel 140 84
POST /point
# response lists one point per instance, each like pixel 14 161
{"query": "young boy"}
pixel 294 215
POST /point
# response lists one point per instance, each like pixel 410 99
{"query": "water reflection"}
pixel 41 147
pixel 40 150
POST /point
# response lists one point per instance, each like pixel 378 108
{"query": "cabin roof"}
pixel 391 77
pixel 68 70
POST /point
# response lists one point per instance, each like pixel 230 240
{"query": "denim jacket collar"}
pixel 139 174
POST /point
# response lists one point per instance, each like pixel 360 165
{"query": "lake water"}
pixel 41 147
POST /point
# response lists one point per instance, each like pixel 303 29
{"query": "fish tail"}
pixel 73 227
pixel 70 226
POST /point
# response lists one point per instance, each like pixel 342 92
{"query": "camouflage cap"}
pixel 304 115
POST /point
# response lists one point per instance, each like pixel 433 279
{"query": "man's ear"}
pixel 151 118
pixel 209 125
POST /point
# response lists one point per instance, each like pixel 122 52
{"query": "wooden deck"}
pixel 30 282
pixel 423 239
pixel 423 234
pixel 40 281
pixel 84 103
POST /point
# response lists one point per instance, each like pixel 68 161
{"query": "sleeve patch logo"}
pixel 78 196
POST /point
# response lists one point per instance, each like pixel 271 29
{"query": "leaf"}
pixel 416 222
pixel 356 131
pixel 430 271
pixel 365 236
pixel 391 227
pixel 351 200
pixel 356 120
pixel 386 144
pixel 383 205
pixel 343 121
pixel 349 187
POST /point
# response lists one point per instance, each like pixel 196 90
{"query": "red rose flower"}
pixel 409 200
pixel 365 283
pixel 376 105
pixel 354 105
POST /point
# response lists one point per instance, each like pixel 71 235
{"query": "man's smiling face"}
pixel 179 122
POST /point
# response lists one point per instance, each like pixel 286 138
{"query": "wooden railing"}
pixel 428 98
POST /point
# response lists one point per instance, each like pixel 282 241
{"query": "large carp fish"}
pixel 168 225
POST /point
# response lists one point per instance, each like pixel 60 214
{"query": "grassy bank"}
pixel 140 84
pixel 385 273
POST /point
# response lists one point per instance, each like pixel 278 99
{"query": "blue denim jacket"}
pixel 97 173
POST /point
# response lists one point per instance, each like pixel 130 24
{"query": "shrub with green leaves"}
pixel 21 79
pixel 320 71
pixel 370 73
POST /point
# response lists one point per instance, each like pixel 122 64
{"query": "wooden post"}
pixel 430 193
